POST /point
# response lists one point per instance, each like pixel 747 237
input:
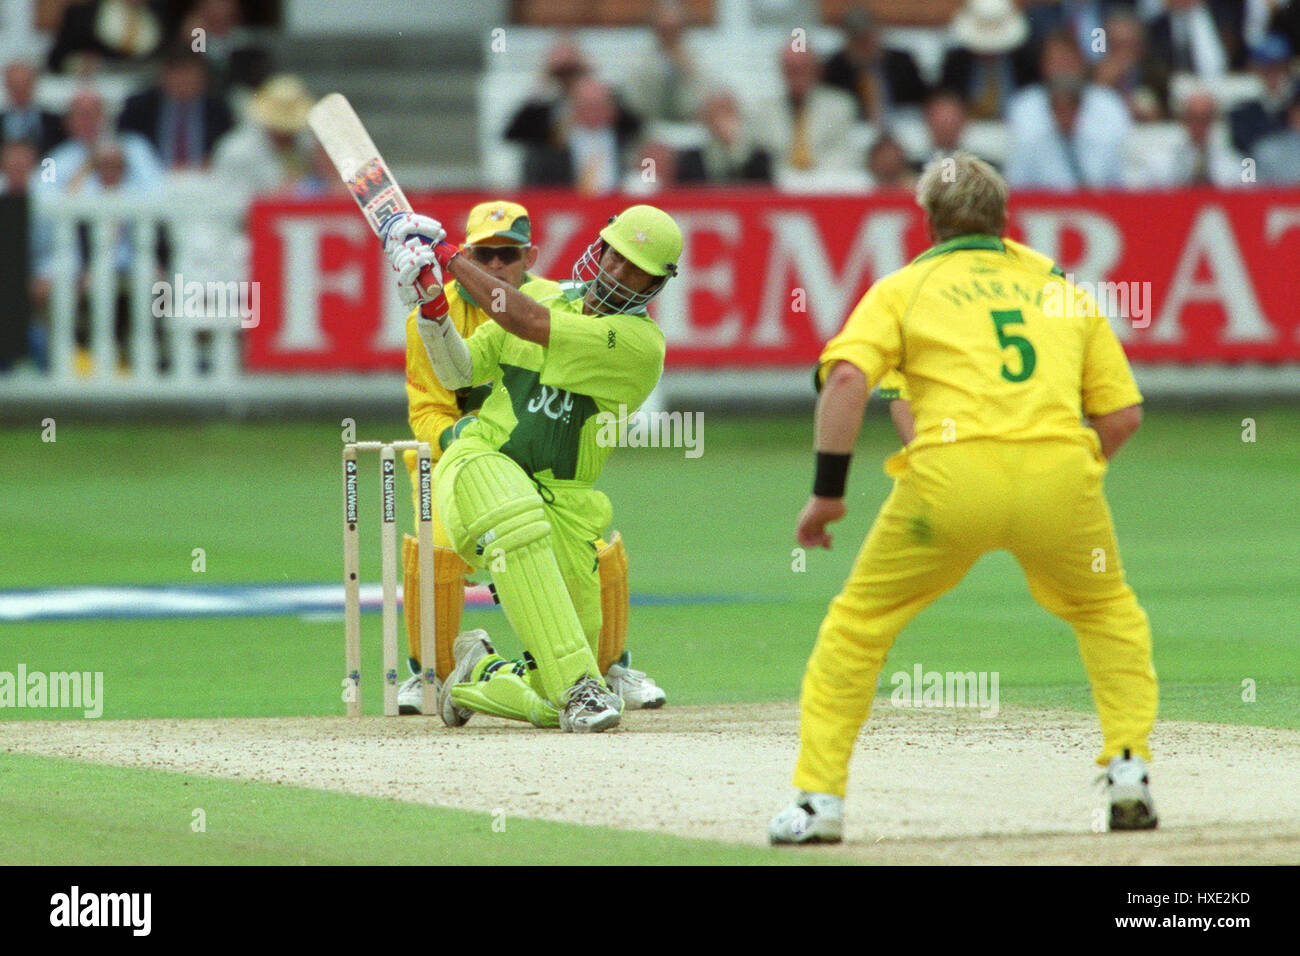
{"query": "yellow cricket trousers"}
pixel 1040 500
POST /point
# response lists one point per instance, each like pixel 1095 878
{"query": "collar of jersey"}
pixel 469 299
pixel 972 241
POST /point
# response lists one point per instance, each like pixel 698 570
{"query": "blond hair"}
pixel 961 194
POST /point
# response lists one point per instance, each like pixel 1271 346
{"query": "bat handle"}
pixel 428 278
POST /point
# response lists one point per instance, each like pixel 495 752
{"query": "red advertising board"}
pixel 766 278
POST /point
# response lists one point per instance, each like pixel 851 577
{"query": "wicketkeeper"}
pixel 514 490
pixel 1002 359
pixel 498 238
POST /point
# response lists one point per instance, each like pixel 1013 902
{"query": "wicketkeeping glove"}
pixel 452 432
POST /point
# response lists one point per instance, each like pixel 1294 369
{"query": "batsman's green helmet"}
pixel 647 237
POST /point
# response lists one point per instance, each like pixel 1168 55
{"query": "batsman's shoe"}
pixel 1131 806
pixel 410 696
pixel 638 691
pixel 470 648
pixel 589 708
pixel 812 818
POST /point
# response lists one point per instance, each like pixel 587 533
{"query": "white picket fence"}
pixel 181 358
pixel 205 238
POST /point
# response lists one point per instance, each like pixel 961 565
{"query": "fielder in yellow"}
pixel 498 238
pixel 515 491
pixel 1003 360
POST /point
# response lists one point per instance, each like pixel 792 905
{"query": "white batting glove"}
pixel 419 277
pixel 398 229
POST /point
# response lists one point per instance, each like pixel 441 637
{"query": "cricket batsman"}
pixel 515 491
pixel 1003 361
pixel 498 238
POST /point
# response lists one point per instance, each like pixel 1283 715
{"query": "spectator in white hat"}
pixel 987 64
pixel 271 153
pixel 120 31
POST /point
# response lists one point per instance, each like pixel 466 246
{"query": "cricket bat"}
pixel 378 196
pixel 359 164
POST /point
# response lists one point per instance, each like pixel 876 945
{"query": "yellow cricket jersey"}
pixel 433 408
pixel 991 342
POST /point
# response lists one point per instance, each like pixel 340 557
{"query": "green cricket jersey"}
pixel 543 409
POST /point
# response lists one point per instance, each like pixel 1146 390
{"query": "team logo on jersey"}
pixel 554 403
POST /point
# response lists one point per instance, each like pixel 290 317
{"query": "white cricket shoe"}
pixel 1131 806
pixel 638 691
pixel 470 648
pixel 410 696
pixel 589 708
pixel 812 818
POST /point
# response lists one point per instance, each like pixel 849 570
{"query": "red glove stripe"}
pixel 444 252
pixel 436 308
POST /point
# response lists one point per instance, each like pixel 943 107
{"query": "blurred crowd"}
pixel 208 112
pixel 1063 90
pixel 1060 95
pixel 1066 88
pixel 207 102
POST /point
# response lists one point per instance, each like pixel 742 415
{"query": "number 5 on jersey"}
pixel 1001 319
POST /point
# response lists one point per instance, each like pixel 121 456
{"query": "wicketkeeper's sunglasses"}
pixel 508 255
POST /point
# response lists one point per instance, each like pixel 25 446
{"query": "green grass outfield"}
pixel 1208 525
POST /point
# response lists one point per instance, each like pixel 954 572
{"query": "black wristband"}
pixel 832 475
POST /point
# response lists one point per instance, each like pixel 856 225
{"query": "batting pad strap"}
pixel 448 353
pixel 614 609
pixel 832 475
pixel 452 432
pixel 503 692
